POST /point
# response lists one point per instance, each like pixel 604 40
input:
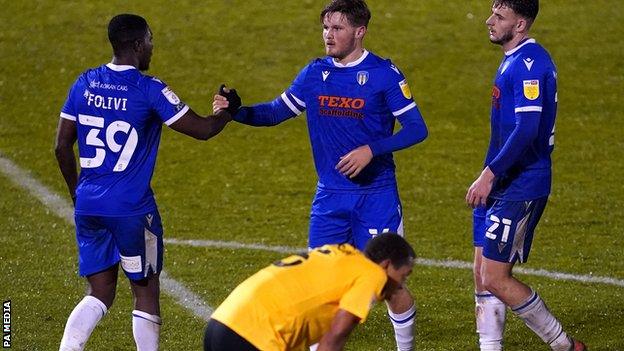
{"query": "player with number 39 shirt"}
pixel 115 113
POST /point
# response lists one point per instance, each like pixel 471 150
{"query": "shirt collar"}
pixel 351 64
pixel 119 68
pixel 523 43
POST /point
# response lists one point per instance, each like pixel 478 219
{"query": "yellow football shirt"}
pixel 290 304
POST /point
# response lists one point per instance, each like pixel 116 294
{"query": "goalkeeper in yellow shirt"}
pixel 317 297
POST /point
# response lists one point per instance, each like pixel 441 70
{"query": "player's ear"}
pixel 360 31
pixel 137 45
pixel 521 26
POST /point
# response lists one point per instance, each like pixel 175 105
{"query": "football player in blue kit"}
pixel 510 195
pixel 352 99
pixel 115 113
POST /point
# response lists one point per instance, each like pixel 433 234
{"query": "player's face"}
pixel 398 276
pixel 502 24
pixel 146 53
pixel 339 35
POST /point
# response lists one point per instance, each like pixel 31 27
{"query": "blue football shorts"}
pixel 136 241
pixel 505 228
pixel 338 218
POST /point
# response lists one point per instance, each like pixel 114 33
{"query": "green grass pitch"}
pixel 255 185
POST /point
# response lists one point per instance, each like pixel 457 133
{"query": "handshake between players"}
pixel 227 99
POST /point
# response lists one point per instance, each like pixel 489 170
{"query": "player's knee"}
pixel 103 292
pixel 492 283
pixel 476 271
pixel 107 297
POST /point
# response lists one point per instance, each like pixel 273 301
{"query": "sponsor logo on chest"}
pixel 341 106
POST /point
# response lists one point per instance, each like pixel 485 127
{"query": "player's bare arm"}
pixel 66 136
pixel 336 337
pixel 202 128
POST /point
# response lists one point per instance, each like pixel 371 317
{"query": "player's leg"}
pixel 489 310
pixel 508 239
pixel 140 243
pixel 402 313
pixel 146 319
pixel 382 213
pixel 98 259
pixel 330 219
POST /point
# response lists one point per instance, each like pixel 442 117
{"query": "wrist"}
pixel 488 174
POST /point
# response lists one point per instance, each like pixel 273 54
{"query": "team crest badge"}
pixel 170 95
pixel 362 77
pixel 531 89
pixel 405 89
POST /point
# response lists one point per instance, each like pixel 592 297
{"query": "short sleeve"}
pixel 398 94
pixel 294 96
pixel 365 291
pixel 528 84
pixel 164 102
pixel 68 111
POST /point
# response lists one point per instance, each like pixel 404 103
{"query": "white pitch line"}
pixel 195 304
pixel 583 278
pixel 64 210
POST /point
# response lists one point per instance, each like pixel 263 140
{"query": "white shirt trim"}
pixel 68 116
pixel 529 109
pixel 301 103
pixel 404 109
pixel 290 105
pixel 119 68
pixel 177 116
pixel 512 51
pixel 351 64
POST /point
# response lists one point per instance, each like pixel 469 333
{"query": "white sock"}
pixel 490 317
pixel 81 323
pixel 538 318
pixel 403 324
pixel 146 330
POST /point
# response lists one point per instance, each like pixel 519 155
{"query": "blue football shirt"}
pixel 119 114
pixel 348 106
pixel 526 82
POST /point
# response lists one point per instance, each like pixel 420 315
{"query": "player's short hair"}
pixel 356 11
pixel 525 8
pixel 124 30
pixel 389 246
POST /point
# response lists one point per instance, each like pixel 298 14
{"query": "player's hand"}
pixel 480 189
pixel 219 103
pixel 232 97
pixel 354 162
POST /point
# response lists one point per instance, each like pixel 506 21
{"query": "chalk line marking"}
pixel 583 278
pixel 64 210
pixel 189 300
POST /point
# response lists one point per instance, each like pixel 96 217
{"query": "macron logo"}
pixel 528 62
pixel 325 75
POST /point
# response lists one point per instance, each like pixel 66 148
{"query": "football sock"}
pixel 146 330
pixel 81 323
pixel 538 318
pixel 403 324
pixel 490 317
